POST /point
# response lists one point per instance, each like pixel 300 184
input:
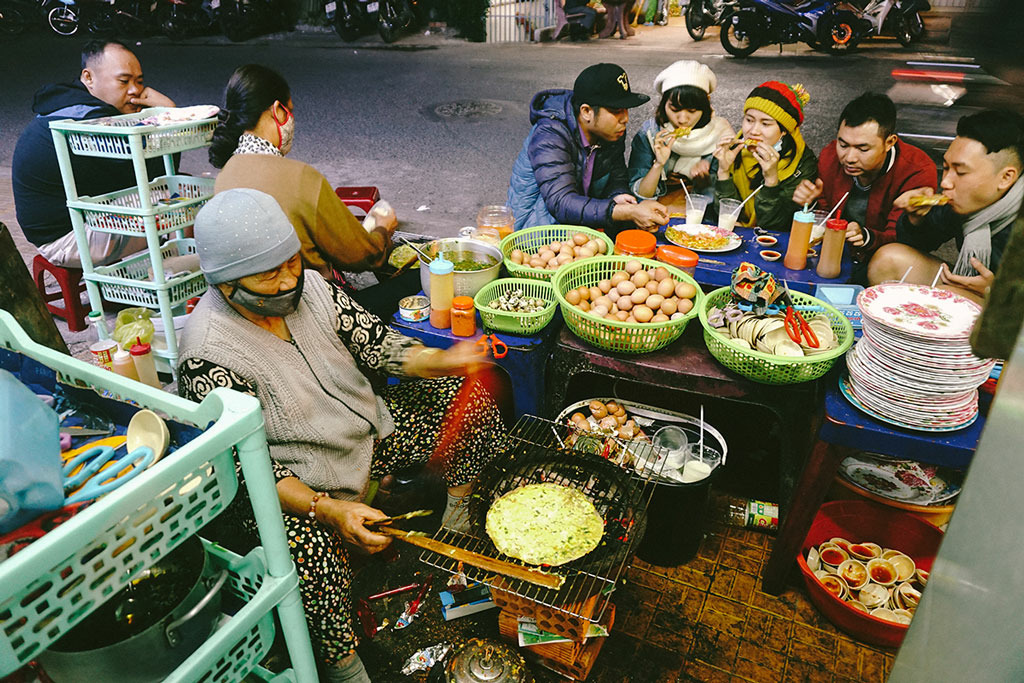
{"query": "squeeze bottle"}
pixel 442 290
pixel 124 365
pixel 145 366
pixel 799 240
pixel 831 260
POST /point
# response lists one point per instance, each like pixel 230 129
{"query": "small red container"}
pixel 856 521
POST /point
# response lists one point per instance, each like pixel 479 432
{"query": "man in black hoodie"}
pixel 111 83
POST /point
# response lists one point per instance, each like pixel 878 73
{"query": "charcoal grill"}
pixel 617 476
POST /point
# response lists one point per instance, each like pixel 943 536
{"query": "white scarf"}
pixel 981 225
pixel 689 150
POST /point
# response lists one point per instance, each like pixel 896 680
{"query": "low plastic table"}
pixel 843 431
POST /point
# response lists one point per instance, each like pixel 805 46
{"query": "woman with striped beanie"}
pixel 768 151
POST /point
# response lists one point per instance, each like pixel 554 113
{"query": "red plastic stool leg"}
pixel 361 197
pixel 69 280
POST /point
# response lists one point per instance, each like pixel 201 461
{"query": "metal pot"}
pixel 468 282
pixel 486 661
pixel 147 629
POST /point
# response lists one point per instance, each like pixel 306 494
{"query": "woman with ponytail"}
pixel 769 152
pixel 254 134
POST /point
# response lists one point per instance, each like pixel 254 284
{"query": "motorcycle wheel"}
pixel 12 20
pixel 63 19
pixel 694 19
pixel 837 36
pixel 389 23
pixel 909 29
pixel 736 40
pixel 345 23
pixel 235 23
pixel 172 25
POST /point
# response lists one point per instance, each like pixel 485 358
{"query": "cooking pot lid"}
pixel 484 660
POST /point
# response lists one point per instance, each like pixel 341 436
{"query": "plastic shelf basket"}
pixel 532 240
pixel 130 281
pixel 111 136
pixel 176 200
pixel 509 321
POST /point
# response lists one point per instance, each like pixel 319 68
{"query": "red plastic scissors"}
pixel 796 326
pixel 489 343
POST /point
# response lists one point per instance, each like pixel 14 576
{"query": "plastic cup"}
pixel 728 213
pixel 695 207
pixel 672 439
pixel 103 352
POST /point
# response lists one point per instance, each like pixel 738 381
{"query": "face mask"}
pixel 286 132
pixel 778 145
pixel 270 305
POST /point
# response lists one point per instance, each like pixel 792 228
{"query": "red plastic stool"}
pixel 363 197
pixel 71 287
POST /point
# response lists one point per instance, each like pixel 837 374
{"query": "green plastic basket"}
pixel 615 335
pixel 516 323
pixel 767 368
pixel 532 239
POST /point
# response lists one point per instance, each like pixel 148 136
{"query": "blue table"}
pixel 843 431
pixel 525 362
pixel 720 274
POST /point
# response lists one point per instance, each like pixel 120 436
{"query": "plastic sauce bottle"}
pixel 442 290
pixel 749 513
pixel 463 317
pixel 799 240
pixel 124 365
pixel 145 366
pixel 831 260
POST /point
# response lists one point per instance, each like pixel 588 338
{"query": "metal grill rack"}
pixel 617 476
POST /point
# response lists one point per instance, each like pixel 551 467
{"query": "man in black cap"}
pixel 572 168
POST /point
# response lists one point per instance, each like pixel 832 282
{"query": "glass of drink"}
pixel 728 213
pixel 497 216
pixel 696 204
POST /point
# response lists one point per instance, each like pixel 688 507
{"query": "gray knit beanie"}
pixel 242 232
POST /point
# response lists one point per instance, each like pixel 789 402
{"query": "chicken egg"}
pixel 643 314
pixel 626 287
pixel 634 267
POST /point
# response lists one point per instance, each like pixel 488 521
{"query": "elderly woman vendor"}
pixel 270 329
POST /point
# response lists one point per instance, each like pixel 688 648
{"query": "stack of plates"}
pixel 914 367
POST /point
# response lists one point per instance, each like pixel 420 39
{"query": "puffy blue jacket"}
pixel 547 179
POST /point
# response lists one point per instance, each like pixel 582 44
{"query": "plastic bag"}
pixel 133 324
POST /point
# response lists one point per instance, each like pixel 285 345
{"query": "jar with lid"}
pixel 489 235
pixel 497 216
pixel 639 243
pixel 463 317
pixel 442 291
pixel 680 257
pixel 831 261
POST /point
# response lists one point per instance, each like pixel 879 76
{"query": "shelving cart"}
pixel 150 209
pixel 62 577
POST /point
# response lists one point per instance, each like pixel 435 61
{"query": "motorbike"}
pixel 352 18
pixel 179 19
pixel 62 16
pixel 124 18
pixel 395 16
pixel 700 14
pixel 243 19
pixel 750 24
pixel 901 18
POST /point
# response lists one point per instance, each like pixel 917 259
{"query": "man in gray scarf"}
pixel 982 191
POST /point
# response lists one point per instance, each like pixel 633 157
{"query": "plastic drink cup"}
pixel 728 213
pixel 103 352
pixel 695 470
pixel 695 207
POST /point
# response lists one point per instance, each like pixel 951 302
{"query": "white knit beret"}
pixel 686 72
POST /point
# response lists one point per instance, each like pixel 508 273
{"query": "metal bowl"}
pixel 467 283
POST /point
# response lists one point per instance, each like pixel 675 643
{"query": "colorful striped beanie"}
pixel 783 102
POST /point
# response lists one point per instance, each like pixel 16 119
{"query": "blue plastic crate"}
pixel 844 298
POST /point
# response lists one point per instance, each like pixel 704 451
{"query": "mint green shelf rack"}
pixel 58 580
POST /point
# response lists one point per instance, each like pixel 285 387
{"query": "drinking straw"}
pixel 938 275
pixel 838 204
pixel 687 193
pixel 906 273
pixel 700 453
pixel 749 197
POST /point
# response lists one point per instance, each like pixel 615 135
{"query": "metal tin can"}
pixel 414 308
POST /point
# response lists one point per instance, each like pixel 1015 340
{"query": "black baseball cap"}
pixel 606 85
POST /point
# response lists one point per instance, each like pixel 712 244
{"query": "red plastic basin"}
pixel 857 521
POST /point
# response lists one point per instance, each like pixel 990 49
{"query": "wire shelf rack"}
pixel 616 475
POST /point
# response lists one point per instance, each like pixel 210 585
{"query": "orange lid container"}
pixel 635 243
pixel 463 303
pixel 677 256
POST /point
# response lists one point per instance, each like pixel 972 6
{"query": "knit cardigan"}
pixel 320 411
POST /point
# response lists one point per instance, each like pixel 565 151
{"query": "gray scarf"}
pixel 981 225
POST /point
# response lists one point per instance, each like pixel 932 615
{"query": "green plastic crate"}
pixel 614 335
pixel 120 212
pixel 111 136
pixel 765 367
pixel 140 290
pixel 508 321
pixel 532 239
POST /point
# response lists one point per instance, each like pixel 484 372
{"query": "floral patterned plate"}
pixel 844 387
pixel 922 311
pixel 905 481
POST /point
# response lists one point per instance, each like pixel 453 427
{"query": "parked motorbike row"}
pixel 237 19
pixel 830 25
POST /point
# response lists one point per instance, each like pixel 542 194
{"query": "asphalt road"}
pixel 368 114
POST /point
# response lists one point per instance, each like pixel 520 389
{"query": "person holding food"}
pixel 678 144
pixel 871 166
pixel 271 328
pixel 572 167
pixel 769 156
pixel 981 196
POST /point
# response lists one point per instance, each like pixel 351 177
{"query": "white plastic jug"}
pixel 30 463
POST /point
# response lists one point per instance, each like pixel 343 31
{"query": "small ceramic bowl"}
pixel 414 308
pixel 770 255
pixel 766 240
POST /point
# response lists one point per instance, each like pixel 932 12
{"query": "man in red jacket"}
pixel 869 161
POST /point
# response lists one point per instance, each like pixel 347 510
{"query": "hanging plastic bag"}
pixel 132 324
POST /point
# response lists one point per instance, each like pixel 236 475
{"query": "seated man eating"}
pixel 981 195
pixel 572 168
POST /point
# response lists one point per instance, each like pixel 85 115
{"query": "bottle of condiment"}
pixel 497 216
pixel 96 320
pixel 124 365
pixel 145 365
pixel 442 290
pixel 463 317
pixel 680 257
pixel 799 240
pixel 831 260
pixel 751 514
pixel 639 243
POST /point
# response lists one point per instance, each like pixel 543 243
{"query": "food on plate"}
pixel 706 237
pixel 768 334
pixel 635 295
pixel 553 255
pixel 927 200
pixel 517 302
pixel 544 524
